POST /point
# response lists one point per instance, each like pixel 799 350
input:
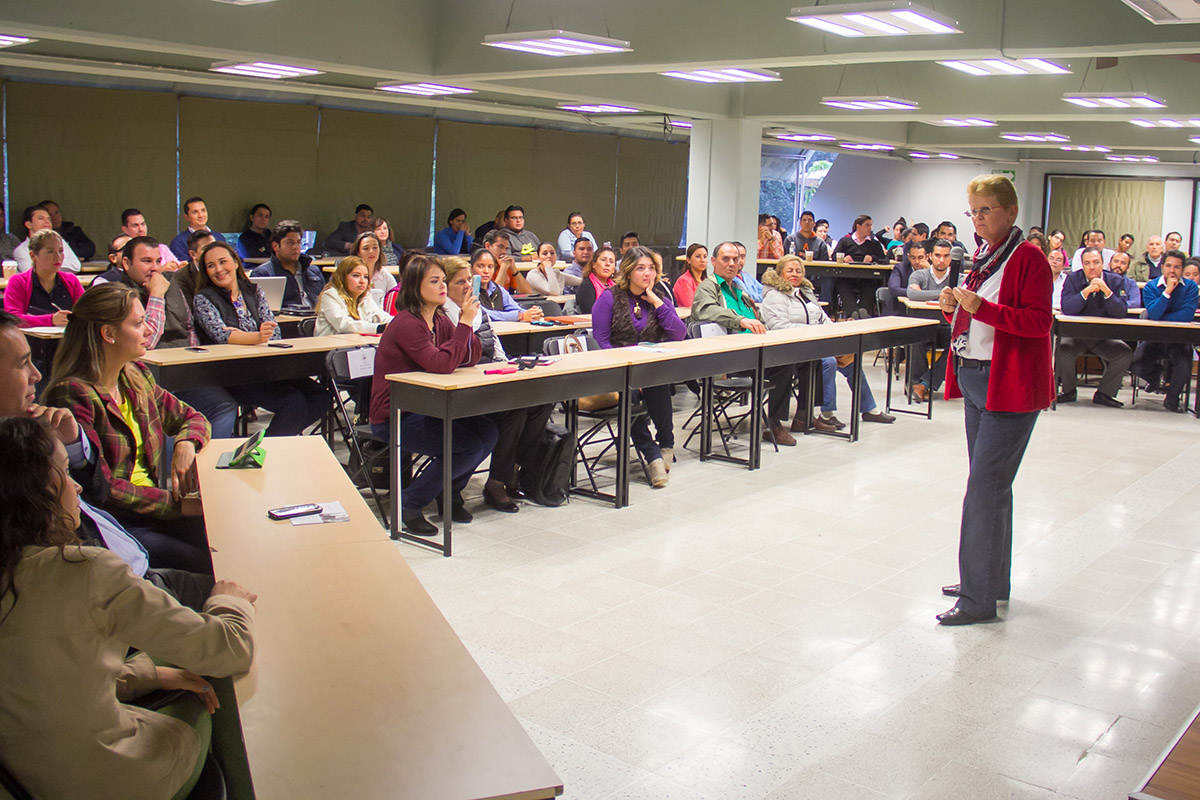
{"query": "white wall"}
pixel 1177 194
pixel 929 192
pixel 888 188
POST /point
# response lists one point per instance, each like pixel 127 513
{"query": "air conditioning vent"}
pixel 1167 12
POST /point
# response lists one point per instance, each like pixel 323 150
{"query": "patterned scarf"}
pixel 986 264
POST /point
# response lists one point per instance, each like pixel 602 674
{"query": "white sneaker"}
pixel 658 473
pixel 668 456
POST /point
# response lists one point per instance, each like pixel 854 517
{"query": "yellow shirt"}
pixel 139 477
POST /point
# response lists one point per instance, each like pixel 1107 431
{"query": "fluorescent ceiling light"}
pixel 423 89
pixel 263 69
pixel 11 41
pixel 949 156
pixel 1166 12
pixel 966 122
pixel 883 18
pixel 1006 66
pixel 1083 148
pixel 1166 123
pixel 734 75
pixel 596 108
pixel 1035 137
pixel 865 146
pixel 805 137
pixel 1132 159
pixel 557 43
pixel 919 155
pixel 1114 99
pixel 870 103
pixel 243 2
pixel 679 124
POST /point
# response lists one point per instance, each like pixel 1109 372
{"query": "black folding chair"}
pixel 341 379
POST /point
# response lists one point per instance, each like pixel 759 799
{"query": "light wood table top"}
pixel 84 280
pixel 359 688
pixel 44 332
pixel 503 328
pixel 231 352
pixel 1126 323
pixel 473 377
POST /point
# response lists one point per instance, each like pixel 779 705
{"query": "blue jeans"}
pixel 296 404
pixel 473 440
pixel 866 400
pixel 217 405
pixel 996 442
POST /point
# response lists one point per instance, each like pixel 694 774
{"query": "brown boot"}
pixel 779 435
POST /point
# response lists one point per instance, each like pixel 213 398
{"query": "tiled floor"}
pixel 771 634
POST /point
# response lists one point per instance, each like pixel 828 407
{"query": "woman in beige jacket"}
pixel 68 616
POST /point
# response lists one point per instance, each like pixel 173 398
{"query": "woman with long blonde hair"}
pixel 346 305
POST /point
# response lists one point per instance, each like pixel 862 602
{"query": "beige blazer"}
pixel 63 729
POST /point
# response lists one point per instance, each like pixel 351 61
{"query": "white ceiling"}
pixel 171 43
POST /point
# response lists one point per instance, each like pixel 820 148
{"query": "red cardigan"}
pixel 406 346
pixel 1022 376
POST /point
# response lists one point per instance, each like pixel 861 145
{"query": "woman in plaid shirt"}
pixel 127 418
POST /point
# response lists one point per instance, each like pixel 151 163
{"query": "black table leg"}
pixel 447 482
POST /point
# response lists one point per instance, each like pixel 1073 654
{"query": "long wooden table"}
pixel 470 392
pixel 179 368
pixel 1132 330
pixel 359 688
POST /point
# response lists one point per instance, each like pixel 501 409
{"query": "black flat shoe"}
pixel 416 524
pixel 500 503
pixel 953 591
pixel 458 512
pixel 956 616
pixel 1102 399
pixel 1067 397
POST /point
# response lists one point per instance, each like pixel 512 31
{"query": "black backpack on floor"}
pixel 546 471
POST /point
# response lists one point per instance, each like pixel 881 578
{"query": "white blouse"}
pixel 333 316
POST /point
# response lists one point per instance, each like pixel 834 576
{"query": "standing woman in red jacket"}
pixel 1000 320
pixel 421 337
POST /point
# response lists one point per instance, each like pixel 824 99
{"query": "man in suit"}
pixel 1093 292
pixel 1171 298
pixel 18 377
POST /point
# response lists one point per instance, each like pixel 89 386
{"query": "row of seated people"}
pixel 79 587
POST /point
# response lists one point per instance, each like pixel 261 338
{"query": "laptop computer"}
pixel 272 287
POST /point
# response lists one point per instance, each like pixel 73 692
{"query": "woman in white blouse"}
pixel 346 304
pixel 545 278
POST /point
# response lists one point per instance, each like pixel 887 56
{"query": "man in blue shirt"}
pixel 748 280
pixel 196 213
pixel 1092 292
pixel 1119 265
pixel 1171 298
pixel 304 278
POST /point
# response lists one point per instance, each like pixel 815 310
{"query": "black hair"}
pixel 763 218
pixel 493 235
pixel 861 218
pixel 940 243
pixel 1174 254
pixel 363 207
pixel 454 212
pixel 921 228
pixel 195 236
pixel 257 206
pixel 820 222
pixel 127 213
pixel 1192 261
pixel 573 215
pixel 130 246
pixel 631 235
pixel 1128 236
pixel 8 320
pixel 411 279
pixel 29 212
pixel 190 200
pixel 511 209
pixel 807 213
pixel 917 246
pixel 285 227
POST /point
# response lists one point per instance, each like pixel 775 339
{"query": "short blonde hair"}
pixel 452 265
pixel 996 186
pixel 40 240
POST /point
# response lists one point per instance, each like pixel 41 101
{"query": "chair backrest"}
pixel 308 326
pixel 549 308
pixel 572 343
pixel 704 330
pixel 350 363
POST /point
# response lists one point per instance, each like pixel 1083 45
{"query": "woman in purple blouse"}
pixel 638 308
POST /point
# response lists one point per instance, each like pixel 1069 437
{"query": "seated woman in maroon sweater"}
pixel 422 337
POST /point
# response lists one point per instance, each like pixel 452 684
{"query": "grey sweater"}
pixel 930 286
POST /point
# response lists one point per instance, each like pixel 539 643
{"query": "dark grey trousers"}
pixel 1116 355
pixel 996 442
